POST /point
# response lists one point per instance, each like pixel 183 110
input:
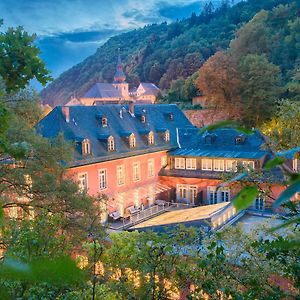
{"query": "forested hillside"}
pixel 162 53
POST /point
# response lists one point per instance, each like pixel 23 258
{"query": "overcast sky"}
pixel 70 30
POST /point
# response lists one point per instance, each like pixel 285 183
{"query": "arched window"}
pixel 132 141
pixel 86 147
pixel 150 138
pixel 104 122
pixel 111 144
pixel 167 136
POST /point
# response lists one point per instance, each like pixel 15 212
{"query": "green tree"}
pixel 259 88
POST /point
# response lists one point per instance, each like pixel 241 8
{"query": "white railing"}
pixel 223 216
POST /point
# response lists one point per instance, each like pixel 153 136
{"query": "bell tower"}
pixel 119 79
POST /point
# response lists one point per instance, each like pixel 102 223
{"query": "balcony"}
pixel 191 173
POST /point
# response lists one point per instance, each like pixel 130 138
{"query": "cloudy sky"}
pixel 70 30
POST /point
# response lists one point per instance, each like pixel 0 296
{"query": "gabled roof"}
pixel 150 88
pixel 192 143
pixel 103 90
pixel 85 124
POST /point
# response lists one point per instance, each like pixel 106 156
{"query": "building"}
pixel 136 154
pixel 118 91
pixel 120 149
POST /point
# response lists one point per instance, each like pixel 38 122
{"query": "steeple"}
pixel 119 75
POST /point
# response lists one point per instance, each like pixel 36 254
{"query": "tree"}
pixel 284 127
pixel 259 88
pixel 219 81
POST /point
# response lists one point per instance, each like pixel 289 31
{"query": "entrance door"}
pixel 192 194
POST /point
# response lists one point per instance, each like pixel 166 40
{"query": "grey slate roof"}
pixel 103 90
pixel 150 88
pixel 193 144
pixel 85 123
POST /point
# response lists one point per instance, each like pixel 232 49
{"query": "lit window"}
pixel 104 122
pixel 132 141
pixel 111 143
pixel 150 167
pixel 167 136
pixel 163 161
pixel 102 179
pixel 191 164
pixel 179 163
pixel 136 171
pixel 231 165
pixel 82 182
pixel 295 164
pixel 206 164
pixel 249 165
pixel 150 138
pixel 120 175
pixel 218 165
pixel 86 147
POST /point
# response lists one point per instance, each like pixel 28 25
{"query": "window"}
pixel 259 203
pixel 104 122
pixel 171 117
pixel 150 138
pixel 225 195
pixel 191 164
pixel 295 164
pixel 136 171
pixel 120 175
pixel 248 164
pixel 212 195
pixel 167 136
pixel 143 118
pixel 150 167
pixel 83 182
pixel 179 163
pixel 218 165
pixel 240 139
pixel 86 147
pixel 132 141
pixel 163 161
pixel 111 143
pixel 102 179
pixel 231 165
pixel 206 164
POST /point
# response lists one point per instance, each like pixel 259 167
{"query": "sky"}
pixel 68 31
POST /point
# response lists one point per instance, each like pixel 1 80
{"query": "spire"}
pixel 119 75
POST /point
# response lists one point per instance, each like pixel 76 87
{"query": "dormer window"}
pixel 167 136
pixel 171 116
pixel 110 143
pixel 143 118
pixel 132 141
pixel 104 121
pixel 86 147
pixel 150 138
pixel 209 138
pixel 240 139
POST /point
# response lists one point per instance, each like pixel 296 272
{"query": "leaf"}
pixel 59 271
pixel 235 178
pixel 245 197
pixel 274 162
pixel 288 193
pixel 294 220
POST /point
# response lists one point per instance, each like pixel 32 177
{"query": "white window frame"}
pixel 204 165
pixel 111 143
pixel 295 164
pixel 231 165
pixel 248 164
pixel 81 187
pixel 86 147
pixel 151 138
pixel 136 171
pixel 191 164
pixel 120 175
pixel 167 136
pixel 219 165
pixel 132 141
pixel 180 163
pixel 212 195
pixel 151 172
pixel 102 179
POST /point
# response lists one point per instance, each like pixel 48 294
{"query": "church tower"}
pixel 119 80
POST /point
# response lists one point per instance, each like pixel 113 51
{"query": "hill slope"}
pixel 158 53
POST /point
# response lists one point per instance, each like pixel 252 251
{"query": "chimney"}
pixel 66 113
pixel 131 108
